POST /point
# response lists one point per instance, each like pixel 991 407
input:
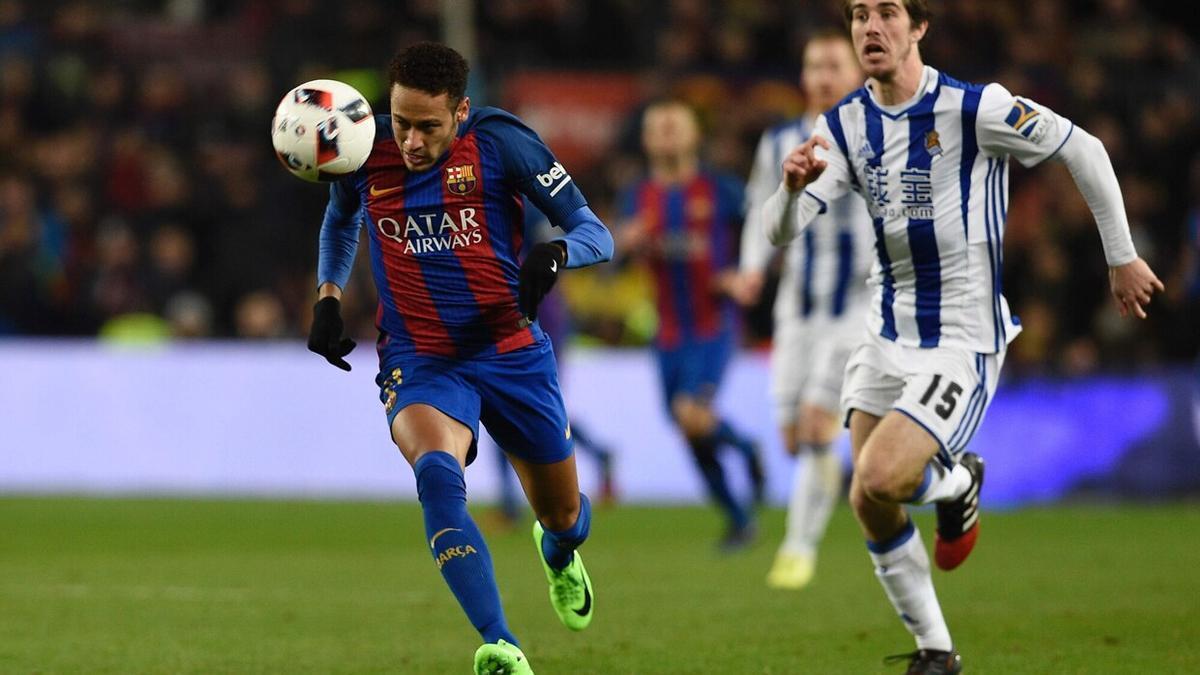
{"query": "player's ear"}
pixel 919 30
pixel 463 109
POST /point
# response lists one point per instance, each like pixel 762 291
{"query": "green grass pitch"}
pixel 191 586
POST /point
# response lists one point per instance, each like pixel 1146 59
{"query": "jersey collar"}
pixel 926 93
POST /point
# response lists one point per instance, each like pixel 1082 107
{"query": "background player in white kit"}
pixel 819 311
pixel 929 154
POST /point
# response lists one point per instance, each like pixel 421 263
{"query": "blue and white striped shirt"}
pixel 825 271
pixel 934 174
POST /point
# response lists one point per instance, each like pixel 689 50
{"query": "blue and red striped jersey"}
pixel 693 228
pixel 444 242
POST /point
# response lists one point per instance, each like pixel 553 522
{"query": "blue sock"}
pixel 727 435
pixel 705 453
pixel 457 546
pixel 558 548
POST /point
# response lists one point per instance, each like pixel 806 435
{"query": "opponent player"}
pixel 458 338
pixel 929 154
pixel 683 219
pixel 819 312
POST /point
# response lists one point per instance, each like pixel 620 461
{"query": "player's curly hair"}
pixel 431 67
pixel 918 11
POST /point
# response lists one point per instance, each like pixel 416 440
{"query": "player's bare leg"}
pixel 564 518
pixel 699 425
pixel 552 490
pixel 436 446
pixel 890 455
pixel 816 485
pixel 420 429
pixel 898 466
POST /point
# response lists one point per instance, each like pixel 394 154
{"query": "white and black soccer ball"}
pixel 323 130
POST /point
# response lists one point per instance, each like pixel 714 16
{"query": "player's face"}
pixel 883 36
pixel 830 72
pixel 425 125
pixel 669 131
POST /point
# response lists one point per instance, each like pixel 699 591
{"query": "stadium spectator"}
pixel 154 112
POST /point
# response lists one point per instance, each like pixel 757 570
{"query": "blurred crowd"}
pixel 139 195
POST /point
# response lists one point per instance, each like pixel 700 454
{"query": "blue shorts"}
pixel 694 368
pixel 515 395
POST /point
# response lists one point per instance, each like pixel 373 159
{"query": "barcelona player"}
pixel 684 219
pixel 459 342
pixel 929 155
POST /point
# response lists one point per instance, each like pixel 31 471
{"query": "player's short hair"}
pixel 918 11
pixel 672 101
pixel 830 34
pixel 431 67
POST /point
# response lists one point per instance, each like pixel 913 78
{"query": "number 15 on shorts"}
pixel 942 405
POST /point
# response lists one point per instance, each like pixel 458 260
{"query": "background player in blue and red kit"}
pixel 684 219
pixel 459 343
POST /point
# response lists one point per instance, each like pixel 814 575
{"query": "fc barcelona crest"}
pixel 460 179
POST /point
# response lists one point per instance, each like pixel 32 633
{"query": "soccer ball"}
pixel 323 130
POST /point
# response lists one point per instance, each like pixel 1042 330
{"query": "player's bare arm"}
pixel 631 237
pixel 737 286
pixel 329 290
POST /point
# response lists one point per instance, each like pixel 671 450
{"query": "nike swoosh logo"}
pixel 440 533
pixel 554 266
pixel 376 192
pixel 587 603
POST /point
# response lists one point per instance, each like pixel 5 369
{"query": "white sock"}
pixel 816 486
pixel 903 569
pixel 941 484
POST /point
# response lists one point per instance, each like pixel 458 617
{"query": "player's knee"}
pixel 879 480
pixel 560 517
pixel 860 502
pixel 690 422
pixel 817 425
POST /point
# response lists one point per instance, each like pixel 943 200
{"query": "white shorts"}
pixel 944 389
pixel 808 364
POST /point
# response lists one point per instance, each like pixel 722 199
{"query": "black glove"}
pixel 538 274
pixel 325 336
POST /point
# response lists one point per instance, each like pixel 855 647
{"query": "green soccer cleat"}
pixel 570 588
pixel 501 658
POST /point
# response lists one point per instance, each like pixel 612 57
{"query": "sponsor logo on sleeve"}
pixel 555 179
pixel 1025 119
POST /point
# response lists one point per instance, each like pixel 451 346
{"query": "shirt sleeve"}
pixel 532 168
pixel 339 235
pixel 1016 126
pixel 587 240
pixel 627 202
pixel 837 178
pixel 764 178
pixel 732 196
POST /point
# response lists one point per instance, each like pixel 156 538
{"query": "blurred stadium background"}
pixel 157 273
